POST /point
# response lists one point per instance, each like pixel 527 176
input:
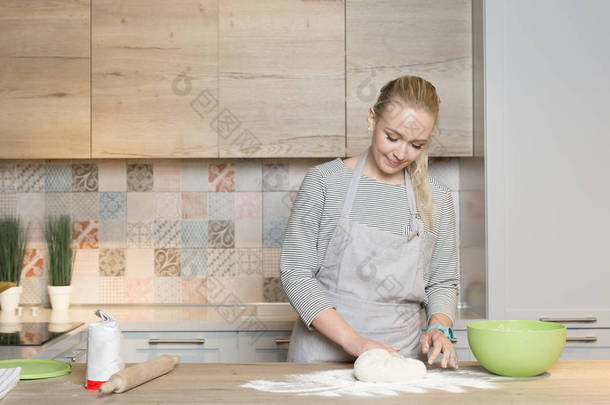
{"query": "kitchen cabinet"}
pixel 417 37
pixel 281 78
pixel 192 347
pixel 546 163
pixel 263 346
pixel 44 79
pixel 154 78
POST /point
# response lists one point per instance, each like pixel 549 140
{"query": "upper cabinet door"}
pixel 44 79
pixel 431 39
pixel 282 78
pixel 154 78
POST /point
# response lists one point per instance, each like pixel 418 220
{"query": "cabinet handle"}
pixel 585 339
pixel 282 340
pixel 157 340
pixel 586 319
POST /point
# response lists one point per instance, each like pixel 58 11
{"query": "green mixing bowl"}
pixel 516 348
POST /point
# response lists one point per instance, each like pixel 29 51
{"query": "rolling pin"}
pixel 139 374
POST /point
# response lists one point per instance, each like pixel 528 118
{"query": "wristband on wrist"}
pixel 445 329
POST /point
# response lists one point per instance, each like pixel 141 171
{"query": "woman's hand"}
pixel 436 341
pixel 358 345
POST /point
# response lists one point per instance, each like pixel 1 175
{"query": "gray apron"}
pixel 374 279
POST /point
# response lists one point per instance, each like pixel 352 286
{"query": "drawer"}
pixel 263 346
pixel 192 347
pixel 587 344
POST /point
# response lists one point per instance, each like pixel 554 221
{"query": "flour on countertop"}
pixel 334 383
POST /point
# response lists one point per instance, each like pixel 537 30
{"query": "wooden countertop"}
pixel 567 382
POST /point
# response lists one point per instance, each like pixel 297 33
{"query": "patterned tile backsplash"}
pixel 190 231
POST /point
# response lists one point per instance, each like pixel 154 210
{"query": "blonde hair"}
pixel 418 94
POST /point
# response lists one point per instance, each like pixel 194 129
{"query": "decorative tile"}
pixel 221 234
pixel 33 263
pixel 36 233
pixel 194 175
pixel 446 170
pixel 140 262
pixel 221 263
pixel 271 262
pixel 112 205
pixel 221 205
pixel 248 175
pixel 194 263
pixel 275 206
pixel 58 204
pixel 297 169
pixel 194 232
pixel 85 234
pixel 221 176
pixel 140 290
pixel 140 207
pixel 86 263
pixel 167 262
pixel 140 234
pixel 166 233
pixel 167 290
pixel 112 262
pixel 112 234
pixel 249 262
pixel 30 206
pixel 7 177
pixel 113 290
pixel 273 291
pixel 84 177
pixel 84 206
pixel 139 177
pixel 194 291
pixel 86 290
pixel 273 232
pixel 194 205
pixel 33 291
pixel 58 177
pixel 8 204
pixel 249 233
pixel 112 175
pixel 29 177
pixel 248 205
pixel 167 206
pixel 166 175
pixel 249 289
pixel 216 289
pixel 275 176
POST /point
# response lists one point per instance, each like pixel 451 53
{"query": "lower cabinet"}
pixel 207 347
pixel 192 347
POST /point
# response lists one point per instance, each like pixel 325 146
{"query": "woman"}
pixel 371 241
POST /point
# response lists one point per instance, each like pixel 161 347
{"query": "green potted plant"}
pixel 13 240
pixel 58 234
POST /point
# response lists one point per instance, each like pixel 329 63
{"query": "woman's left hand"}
pixel 434 342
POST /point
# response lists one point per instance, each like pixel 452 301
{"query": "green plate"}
pixel 32 369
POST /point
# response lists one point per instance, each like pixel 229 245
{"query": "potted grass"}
pixel 58 234
pixel 13 240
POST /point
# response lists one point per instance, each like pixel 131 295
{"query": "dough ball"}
pixel 378 365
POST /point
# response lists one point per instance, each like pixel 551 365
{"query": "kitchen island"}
pixel 567 382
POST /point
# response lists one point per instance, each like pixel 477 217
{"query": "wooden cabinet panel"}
pixel 281 75
pixel 44 79
pixel 154 78
pixel 396 37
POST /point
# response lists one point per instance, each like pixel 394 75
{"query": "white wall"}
pixel 547 97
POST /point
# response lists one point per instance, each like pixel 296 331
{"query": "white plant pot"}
pixel 60 296
pixel 9 299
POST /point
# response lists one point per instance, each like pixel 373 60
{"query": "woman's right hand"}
pixel 358 345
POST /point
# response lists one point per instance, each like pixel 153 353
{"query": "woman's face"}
pixel 399 136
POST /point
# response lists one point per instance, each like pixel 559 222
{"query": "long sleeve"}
pixel 299 259
pixel 443 279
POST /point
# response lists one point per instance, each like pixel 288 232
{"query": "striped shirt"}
pixel 314 216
